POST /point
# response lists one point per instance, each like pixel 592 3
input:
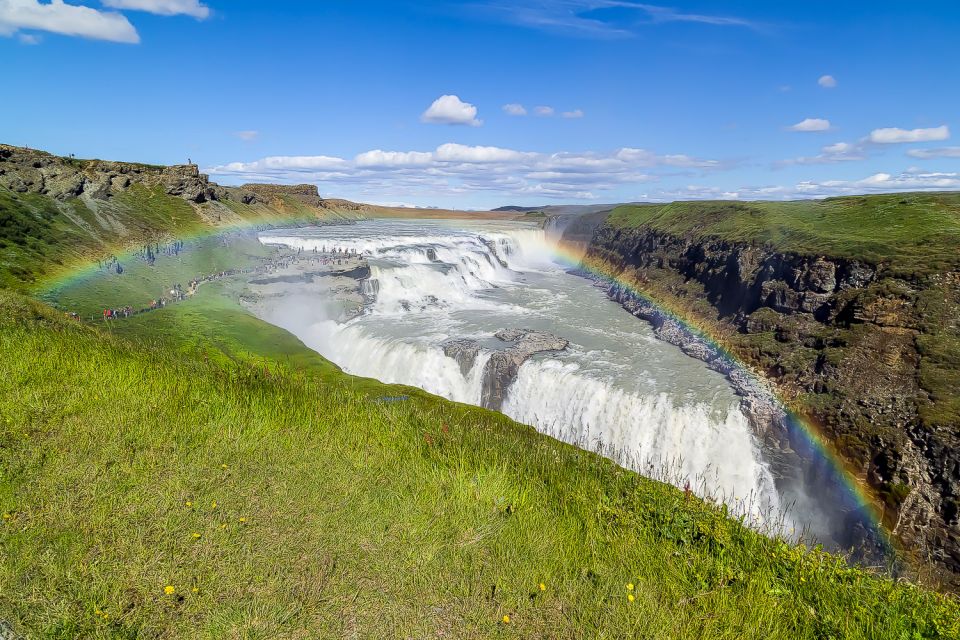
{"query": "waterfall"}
pixel 431 283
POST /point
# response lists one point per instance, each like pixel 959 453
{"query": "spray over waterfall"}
pixel 449 310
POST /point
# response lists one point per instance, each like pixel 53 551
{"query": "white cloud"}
pixel 457 169
pixel 576 113
pixel 830 154
pixel 942 152
pixel 827 82
pixel 285 164
pixel 840 148
pixel 248 135
pixel 811 124
pixel 514 109
pixel 854 151
pixel 452 152
pixel 875 183
pixel 450 109
pixel 544 111
pixel 379 158
pixel 893 135
pixel 65 19
pixel 28 38
pixel 163 7
pixel 644 158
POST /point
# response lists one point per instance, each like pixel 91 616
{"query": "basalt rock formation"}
pixel 857 347
pixel 501 369
pixel 464 351
pixel 503 366
pixel 25 170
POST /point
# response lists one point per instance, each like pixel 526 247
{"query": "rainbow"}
pixel 86 267
pixel 859 500
pixel 859 497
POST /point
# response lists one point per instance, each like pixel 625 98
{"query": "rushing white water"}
pixel 616 389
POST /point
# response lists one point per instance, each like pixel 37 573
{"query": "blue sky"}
pixel 436 103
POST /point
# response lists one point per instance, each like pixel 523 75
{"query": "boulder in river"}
pixel 503 366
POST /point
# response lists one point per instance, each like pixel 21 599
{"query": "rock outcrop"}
pixel 501 369
pixel 30 171
pixel 503 366
pixel 464 351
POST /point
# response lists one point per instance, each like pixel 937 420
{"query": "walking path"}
pixel 177 293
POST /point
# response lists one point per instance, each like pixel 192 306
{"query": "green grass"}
pixel 910 233
pixel 366 518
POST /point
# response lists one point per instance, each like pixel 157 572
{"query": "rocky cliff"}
pixel 30 171
pixel 861 348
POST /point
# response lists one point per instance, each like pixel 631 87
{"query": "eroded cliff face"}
pixel 862 350
pixel 28 171
pixel 31 171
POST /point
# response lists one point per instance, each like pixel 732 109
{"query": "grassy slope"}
pixel 413 518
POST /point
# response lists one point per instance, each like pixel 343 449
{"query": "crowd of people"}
pixel 322 256
pixel 122 312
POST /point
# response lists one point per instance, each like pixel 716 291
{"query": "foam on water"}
pixel 643 403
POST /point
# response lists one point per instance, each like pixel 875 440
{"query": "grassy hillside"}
pixel 149 490
pixel 913 232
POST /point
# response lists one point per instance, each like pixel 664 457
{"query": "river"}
pixel 616 389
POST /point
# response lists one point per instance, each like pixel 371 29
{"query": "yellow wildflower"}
pixel 195 589
pixel 243 519
pixel 223 526
pixel 543 587
pixel 223 466
pixel 189 503
pixel 169 590
pixel 630 587
pixel 506 619
pixel 196 535
pixel 213 505
pixel 630 597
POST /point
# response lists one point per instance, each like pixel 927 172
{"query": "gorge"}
pixel 484 313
